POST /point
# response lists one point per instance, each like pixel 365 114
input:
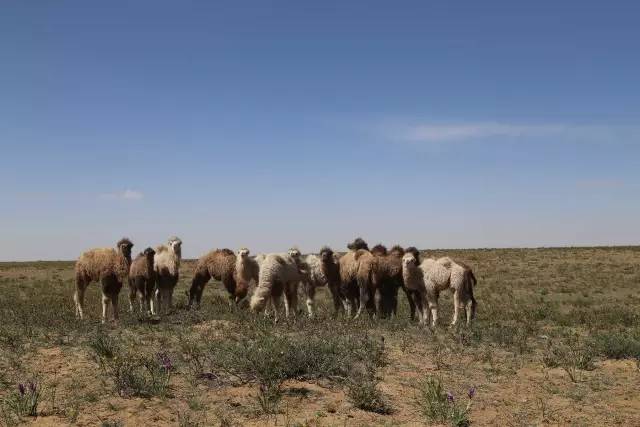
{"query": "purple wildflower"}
pixel 165 361
pixel 21 389
pixel 472 392
pixel 450 398
pixel 32 387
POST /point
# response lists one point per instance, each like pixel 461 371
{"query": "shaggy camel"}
pixel 349 264
pixel 323 271
pixel 167 268
pixel 279 275
pixel 142 280
pixel 108 266
pixel 435 275
pixel 235 273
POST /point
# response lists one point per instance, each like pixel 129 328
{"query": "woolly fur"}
pixel 108 266
pixel 279 273
pixel 433 276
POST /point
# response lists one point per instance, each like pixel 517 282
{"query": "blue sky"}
pixel 269 124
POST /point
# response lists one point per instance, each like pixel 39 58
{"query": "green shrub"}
pixel 617 345
pixel 363 393
pixel 263 357
pixel 132 373
pixel 440 407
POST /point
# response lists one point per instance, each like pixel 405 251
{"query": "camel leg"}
pixel 153 301
pixel 456 307
pixel 105 305
pixel 174 282
pixel 198 283
pixel 432 302
pixel 132 296
pixel 293 296
pixel 166 300
pixel 346 304
pixel 141 301
pixel 162 307
pixel 290 299
pixel 114 306
pixel 434 315
pixel 276 302
pixel 286 306
pixel 426 312
pixel 419 307
pixel 159 297
pixel 412 304
pixel 379 308
pixel 310 292
pixel 78 298
pixel 364 299
pixel 170 299
pixel 337 303
pixel 469 311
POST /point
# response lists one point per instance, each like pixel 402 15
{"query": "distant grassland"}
pixel 557 340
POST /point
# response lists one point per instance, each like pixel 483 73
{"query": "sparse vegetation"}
pixel 553 326
pixel 363 393
pixel 442 407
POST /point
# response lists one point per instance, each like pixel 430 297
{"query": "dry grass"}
pixel 557 341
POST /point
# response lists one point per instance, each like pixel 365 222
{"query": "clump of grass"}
pixel 263 357
pixel 103 345
pixel 363 393
pixel 572 354
pixel 442 407
pixel 24 400
pixel 269 396
pixel 133 374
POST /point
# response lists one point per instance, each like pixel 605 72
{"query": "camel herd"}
pixel 360 280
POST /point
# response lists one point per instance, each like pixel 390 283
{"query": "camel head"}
pixel 294 253
pixel 409 260
pixel 149 254
pixel 326 254
pixel 243 253
pixel 358 243
pixel 397 251
pixel 175 244
pixel 379 250
pixel 416 253
pixel 124 247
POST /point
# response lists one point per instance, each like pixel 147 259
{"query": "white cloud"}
pixel 457 132
pixel 470 131
pixel 123 195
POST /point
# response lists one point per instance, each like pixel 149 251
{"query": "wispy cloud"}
pixel 123 195
pixel 452 132
pixel 467 131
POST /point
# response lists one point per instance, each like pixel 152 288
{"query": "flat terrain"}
pixel 557 341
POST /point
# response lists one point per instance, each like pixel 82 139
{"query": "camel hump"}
pixel 445 261
pixel 359 253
